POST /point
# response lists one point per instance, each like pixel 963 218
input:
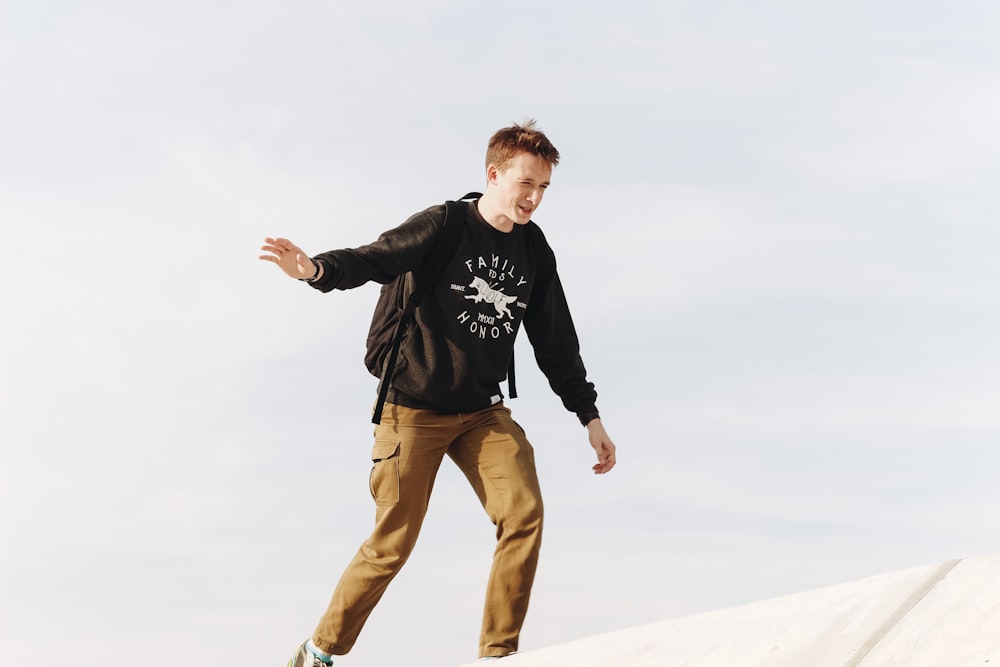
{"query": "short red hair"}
pixel 509 141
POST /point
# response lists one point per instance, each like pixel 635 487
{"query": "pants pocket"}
pixel 384 479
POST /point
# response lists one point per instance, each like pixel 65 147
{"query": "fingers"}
pixel 604 466
pixel 606 459
pixel 283 244
pixel 279 246
pixel 288 256
pixel 276 254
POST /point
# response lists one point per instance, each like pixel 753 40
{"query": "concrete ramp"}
pixel 945 615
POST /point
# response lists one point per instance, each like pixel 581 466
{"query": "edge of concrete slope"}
pixel 943 615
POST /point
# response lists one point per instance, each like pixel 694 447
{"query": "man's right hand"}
pixel 289 257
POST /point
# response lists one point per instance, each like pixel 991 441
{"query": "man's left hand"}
pixel 602 444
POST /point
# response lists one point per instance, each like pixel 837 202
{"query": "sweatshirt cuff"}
pixel 586 416
pixel 325 282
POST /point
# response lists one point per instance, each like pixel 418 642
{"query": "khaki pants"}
pixel 493 452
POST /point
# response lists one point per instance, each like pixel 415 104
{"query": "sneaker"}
pixel 303 657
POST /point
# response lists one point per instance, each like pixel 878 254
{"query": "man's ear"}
pixel 491 174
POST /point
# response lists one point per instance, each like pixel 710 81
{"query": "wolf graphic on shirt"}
pixel 484 292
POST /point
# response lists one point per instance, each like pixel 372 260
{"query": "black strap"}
pixel 437 258
pixel 511 384
pixel 390 364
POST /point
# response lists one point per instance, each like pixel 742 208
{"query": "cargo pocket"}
pixel 384 479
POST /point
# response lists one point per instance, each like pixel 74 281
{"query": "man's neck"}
pixel 493 215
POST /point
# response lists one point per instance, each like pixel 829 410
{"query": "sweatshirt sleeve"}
pixel 553 338
pixel 395 252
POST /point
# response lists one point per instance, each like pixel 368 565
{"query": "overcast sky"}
pixel 776 223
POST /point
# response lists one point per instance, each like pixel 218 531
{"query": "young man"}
pixel 444 397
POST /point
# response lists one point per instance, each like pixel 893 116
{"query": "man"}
pixel 444 395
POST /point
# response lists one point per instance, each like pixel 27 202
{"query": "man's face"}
pixel 520 185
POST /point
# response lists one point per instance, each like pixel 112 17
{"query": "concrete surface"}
pixel 945 615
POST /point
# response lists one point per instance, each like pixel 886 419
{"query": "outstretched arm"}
pixel 291 259
pixel 602 444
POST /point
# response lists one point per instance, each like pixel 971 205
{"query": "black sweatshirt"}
pixel 456 355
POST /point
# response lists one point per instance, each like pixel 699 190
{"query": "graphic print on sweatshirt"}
pixel 494 297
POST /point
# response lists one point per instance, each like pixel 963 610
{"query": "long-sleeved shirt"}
pixel 457 350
